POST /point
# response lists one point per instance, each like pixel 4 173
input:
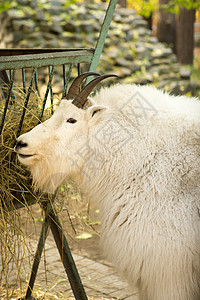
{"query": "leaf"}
pixel 95 223
pixel 69 2
pixel 4 6
pixel 62 189
pixel 38 219
pixel 84 236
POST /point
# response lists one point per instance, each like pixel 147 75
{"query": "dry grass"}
pixel 15 186
pixel 18 225
pixel 40 295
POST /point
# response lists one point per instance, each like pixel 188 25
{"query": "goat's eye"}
pixel 71 120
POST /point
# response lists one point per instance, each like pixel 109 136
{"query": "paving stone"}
pixel 100 280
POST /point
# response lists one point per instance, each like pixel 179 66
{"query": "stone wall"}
pixel 131 51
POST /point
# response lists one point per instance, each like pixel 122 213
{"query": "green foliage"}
pixel 175 5
pixel 4 6
pixel 195 69
pixel 145 8
pixel 69 2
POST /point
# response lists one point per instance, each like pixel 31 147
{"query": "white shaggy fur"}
pixel 136 152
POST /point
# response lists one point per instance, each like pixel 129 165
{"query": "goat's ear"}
pixel 89 102
pixel 95 110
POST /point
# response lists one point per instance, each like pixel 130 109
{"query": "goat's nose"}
pixel 20 144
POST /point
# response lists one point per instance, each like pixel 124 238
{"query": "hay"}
pixel 41 295
pixel 15 187
pixel 15 184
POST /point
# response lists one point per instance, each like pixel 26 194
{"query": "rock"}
pixel 56 19
pixel 194 84
pixel 158 53
pixel 142 31
pixel 139 23
pixel 117 18
pixel 142 52
pixel 124 12
pixel 86 26
pixel 68 36
pixel 9 38
pixel 164 69
pixel 112 52
pixel 154 71
pixel 52 44
pixel 121 61
pixel 134 67
pixel 55 28
pixel 15 14
pixel 153 39
pixel 18 37
pixel 81 13
pixel 175 67
pixel 123 72
pixel 128 56
pixel 39 16
pixel 169 76
pixel 44 26
pixel 157 61
pixel 69 26
pixel 185 73
pixel 17 24
pixel 130 49
pixel 28 26
pixel 129 36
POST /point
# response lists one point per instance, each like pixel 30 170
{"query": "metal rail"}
pixel 46 59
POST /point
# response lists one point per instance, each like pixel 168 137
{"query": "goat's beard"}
pixel 45 178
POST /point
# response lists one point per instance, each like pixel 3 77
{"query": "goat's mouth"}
pixel 24 156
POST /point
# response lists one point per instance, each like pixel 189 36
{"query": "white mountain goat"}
pixel 136 152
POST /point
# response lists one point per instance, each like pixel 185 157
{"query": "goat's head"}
pixel 50 150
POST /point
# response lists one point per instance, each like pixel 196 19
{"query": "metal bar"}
pixel 36 82
pixel 46 93
pixel 24 51
pixel 17 204
pixel 7 101
pixel 4 82
pixel 51 91
pixel 102 37
pixel 42 60
pixel 37 258
pixel 79 69
pixel 66 78
pixel 24 80
pixel 67 258
pixel 4 77
pixel 26 103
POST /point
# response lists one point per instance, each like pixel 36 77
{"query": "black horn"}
pixel 81 98
pixel 74 89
